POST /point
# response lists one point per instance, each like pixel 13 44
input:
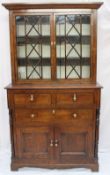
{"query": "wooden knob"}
pixel 74 115
pixel 51 143
pixel 74 97
pixel 32 115
pixel 56 143
pixel 31 97
pixel 52 43
pixel 53 111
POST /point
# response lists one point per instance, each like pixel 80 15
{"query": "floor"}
pixel 104 162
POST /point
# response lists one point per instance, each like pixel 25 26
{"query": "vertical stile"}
pixel 53 47
pixel 81 46
pixel 41 47
pixel 93 44
pixel 60 61
pixel 26 48
pixel 65 47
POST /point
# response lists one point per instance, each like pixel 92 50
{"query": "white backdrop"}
pixel 103 72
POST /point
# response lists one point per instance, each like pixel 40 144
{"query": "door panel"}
pixel 34 143
pixel 74 144
pixel 73 38
pixel 33 47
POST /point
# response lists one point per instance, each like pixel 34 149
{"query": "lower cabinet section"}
pixel 57 146
pixel 54 128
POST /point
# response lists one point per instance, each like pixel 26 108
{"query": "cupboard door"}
pixel 34 143
pixel 33 47
pixel 73 40
pixel 74 145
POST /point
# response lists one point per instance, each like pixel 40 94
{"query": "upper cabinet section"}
pixel 53 42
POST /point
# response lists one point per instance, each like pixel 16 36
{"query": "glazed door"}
pixel 33 46
pixel 73 42
pixel 34 143
pixel 74 145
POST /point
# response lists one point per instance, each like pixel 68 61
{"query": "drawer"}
pixel 32 99
pixel 76 98
pixel 79 116
pixel 76 114
pixel 32 115
pixel 83 118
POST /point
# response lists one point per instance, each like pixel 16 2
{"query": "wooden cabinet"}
pixel 54 99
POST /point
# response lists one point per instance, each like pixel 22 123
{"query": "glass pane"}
pixel 33 47
pixel 73 46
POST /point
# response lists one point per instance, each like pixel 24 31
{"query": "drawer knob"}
pixel 51 143
pixel 74 97
pixel 53 111
pixel 74 115
pixel 31 97
pixel 32 115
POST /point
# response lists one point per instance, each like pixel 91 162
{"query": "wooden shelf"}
pixel 21 40
pixel 74 39
pixel 60 61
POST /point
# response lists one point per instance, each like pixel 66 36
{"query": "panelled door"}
pixel 34 143
pixel 74 145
